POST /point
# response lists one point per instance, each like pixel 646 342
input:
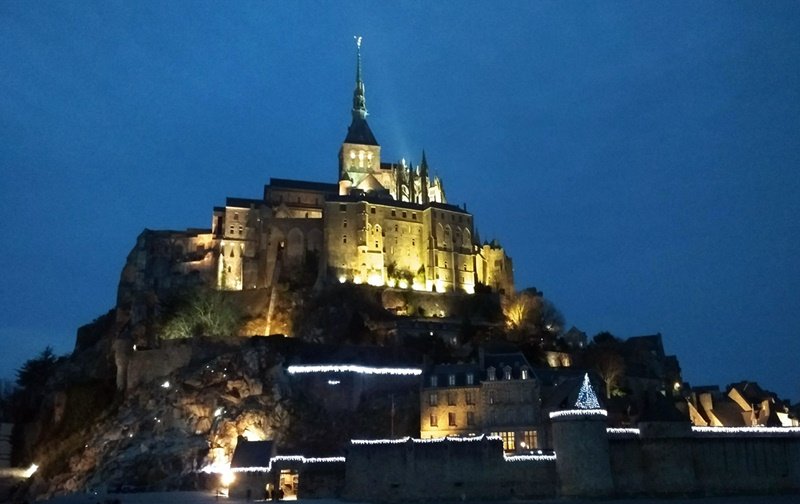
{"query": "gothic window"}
pixel 344 223
pixel 524 373
pixel 413 242
pixel 344 238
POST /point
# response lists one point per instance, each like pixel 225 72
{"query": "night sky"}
pixel 638 160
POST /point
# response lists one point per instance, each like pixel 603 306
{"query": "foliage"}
pixel 531 318
pixel 202 312
pixel 520 309
pixel 35 372
pixel 604 355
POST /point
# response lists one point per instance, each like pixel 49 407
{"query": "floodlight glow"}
pixel 29 471
pixel 227 478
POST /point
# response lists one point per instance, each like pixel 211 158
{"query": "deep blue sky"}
pixel 637 159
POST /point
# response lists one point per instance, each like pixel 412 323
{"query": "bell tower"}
pixel 360 154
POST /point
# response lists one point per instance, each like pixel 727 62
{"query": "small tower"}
pixel 581 445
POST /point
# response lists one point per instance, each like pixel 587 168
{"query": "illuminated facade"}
pixel 384 224
pixel 380 224
pixel 498 396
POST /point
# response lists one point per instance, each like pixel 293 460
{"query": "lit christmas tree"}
pixel 587 399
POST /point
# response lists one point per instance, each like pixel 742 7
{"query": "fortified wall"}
pixel 665 458
pixel 444 469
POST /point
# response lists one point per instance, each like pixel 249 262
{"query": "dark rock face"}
pixel 164 431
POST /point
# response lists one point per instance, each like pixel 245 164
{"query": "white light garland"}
pixel 528 458
pixel 353 368
pixel 628 430
pixel 747 430
pixel 578 412
pixel 277 458
pixel 422 441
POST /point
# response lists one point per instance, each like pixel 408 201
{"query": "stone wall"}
pixel 5 444
pixel 443 470
pixel 668 460
pixel 706 464
pixel 147 365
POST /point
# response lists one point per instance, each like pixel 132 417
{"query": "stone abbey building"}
pixel 382 223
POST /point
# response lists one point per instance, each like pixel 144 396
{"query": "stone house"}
pixel 499 395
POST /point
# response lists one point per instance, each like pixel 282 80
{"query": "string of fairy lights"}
pixel 352 368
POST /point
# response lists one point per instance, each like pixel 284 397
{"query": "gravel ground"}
pixel 209 498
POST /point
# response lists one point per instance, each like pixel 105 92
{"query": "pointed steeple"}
pixel 412 197
pixel 359 98
pixel 359 132
pixel 423 179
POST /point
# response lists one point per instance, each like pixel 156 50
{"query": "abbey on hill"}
pixel 385 224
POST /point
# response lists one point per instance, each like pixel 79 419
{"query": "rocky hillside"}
pixel 162 433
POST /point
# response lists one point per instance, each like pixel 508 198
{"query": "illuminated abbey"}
pixel 381 223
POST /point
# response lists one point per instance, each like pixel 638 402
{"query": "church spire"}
pixel 359 99
pixel 359 133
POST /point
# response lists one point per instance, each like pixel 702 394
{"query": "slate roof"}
pixel 243 202
pixel 359 133
pixel 303 185
pixel 252 453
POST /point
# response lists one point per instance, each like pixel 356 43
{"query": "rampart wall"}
pixel 443 470
pixel 666 459
pixel 714 464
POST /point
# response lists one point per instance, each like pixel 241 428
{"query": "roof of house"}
pixel 303 185
pixel 252 453
pixel 243 202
